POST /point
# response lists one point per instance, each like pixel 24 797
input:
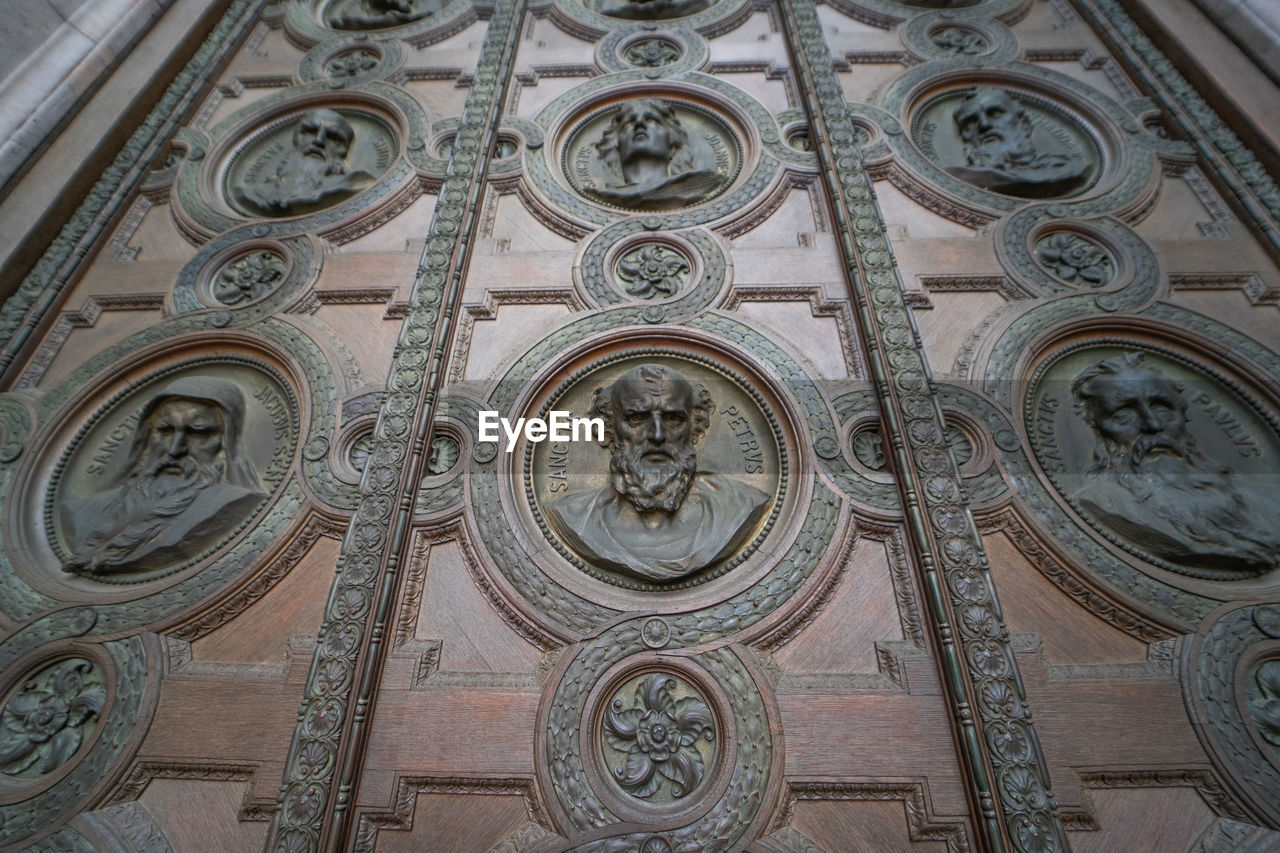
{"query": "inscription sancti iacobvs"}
pixel 659 518
pixel 312 173
pixel 1001 153
pixel 652 155
pixel 1146 463
pixel 376 14
pixel 186 484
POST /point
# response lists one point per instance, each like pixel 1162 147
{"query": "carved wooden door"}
pixel 605 425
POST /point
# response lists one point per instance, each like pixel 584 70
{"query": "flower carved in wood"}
pixel 652 272
pixel 249 278
pixel 658 731
pixel 47 718
pixel 652 53
pixel 1074 259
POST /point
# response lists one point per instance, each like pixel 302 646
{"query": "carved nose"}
pixel 1147 419
pixel 178 445
pixel 657 433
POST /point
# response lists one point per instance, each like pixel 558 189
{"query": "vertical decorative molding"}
pixel 315 805
pixel 1007 776
pixel 39 291
pixel 1216 143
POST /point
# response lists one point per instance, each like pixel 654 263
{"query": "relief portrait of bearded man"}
pixel 186 484
pixel 312 173
pixel 1150 484
pixel 660 518
pixel 1001 153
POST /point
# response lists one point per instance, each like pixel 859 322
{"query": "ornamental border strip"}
pixel 333 718
pixel 1212 137
pixel 1008 776
pixel 41 287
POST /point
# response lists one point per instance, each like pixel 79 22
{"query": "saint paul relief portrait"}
pixel 1172 466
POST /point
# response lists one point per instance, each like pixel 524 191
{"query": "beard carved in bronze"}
pixel 660 518
pixel 652 10
pixel 376 14
pixel 1150 485
pixel 312 173
pixel 1001 154
pixel 648 161
pixel 186 484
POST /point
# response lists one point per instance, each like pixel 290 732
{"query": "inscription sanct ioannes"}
pixel 1150 485
pixel 659 518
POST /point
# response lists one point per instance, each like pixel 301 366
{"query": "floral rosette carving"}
pixel 652 272
pixel 1075 260
pixel 46 720
pixel 652 53
pixel 249 277
pixel 658 733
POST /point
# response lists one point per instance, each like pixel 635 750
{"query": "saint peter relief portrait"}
pixel 1150 485
pixel 649 161
pixel 1001 153
pixel 187 483
pixel 310 174
pixel 659 518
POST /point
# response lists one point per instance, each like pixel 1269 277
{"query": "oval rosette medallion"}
pixel 1162 455
pixel 680 486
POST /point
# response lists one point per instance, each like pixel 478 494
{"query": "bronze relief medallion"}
pixel 378 14
pixel 650 10
pixel 1164 457
pixel 651 154
pixel 307 161
pixel 682 486
pixel 166 473
pixel 1007 141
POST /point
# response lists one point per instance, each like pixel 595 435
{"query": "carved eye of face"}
pixel 995 112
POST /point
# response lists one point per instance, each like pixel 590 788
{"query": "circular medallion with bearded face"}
pixel 308 161
pixel 651 154
pixel 678 483
pixel 1008 142
pixel 651 10
pixel 170 470
pixel 1161 457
